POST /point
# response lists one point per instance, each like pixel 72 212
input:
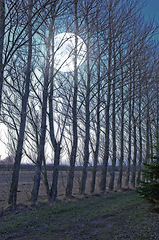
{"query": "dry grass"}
pixel 26 183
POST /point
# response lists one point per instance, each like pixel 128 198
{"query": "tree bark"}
pixel 120 178
pixel 134 118
pixel 96 152
pixel 130 131
pixel 74 115
pixel 56 146
pixel 133 179
pixel 140 130
pixel 112 177
pixel 147 133
pixel 40 158
pixel 16 168
pixel 53 192
pixel 157 122
pixel 2 29
pixel 107 123
pixel 55 143
pixel 87 121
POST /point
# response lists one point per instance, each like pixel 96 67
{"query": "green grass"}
pixel 121 215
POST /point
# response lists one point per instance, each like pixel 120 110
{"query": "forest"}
pixel 102 115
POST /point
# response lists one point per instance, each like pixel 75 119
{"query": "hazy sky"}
pixel 151 10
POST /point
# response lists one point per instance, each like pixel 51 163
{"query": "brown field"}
pixel 26 183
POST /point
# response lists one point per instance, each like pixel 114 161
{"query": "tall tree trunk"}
pixel 2 28
pixel 55 144
pixel 140 131
pixel 157 127
pixel 151 143
pixel 46 182
pixel 107 123
pixel 148 127
pixel 147 133
pixel 111 185
pixel 135 155
pixel 16 168
pixel 74 115
pixel 95 160
pixel 133 178
pixel 130 131
pixel 40 157
pixel 122 128
pixel 87 122
pixel 53 192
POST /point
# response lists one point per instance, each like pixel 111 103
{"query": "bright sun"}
pixel 64 45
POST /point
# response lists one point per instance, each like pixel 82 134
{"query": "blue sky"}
pixel 151 10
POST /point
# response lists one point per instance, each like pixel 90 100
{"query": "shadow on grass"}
pixel 121 215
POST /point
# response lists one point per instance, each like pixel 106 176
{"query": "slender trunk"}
pixel 74 115
pixel 46 182
pixel 55 144
pixel 120 178
pixel 106 152
pixel 94 170
pixel 133 178
pixel 107 123
pixel 140 151
pixel 53 193
pixel 95 163
pixel 2 28
pixel 16 168
pixel 151 143
pixel 87 123
pixel 140 134
pixel 157 127
pixel 135 156
pixel 40 157
pixel 130 132
pixel 111 185
pixel 147 134
pixel 37 177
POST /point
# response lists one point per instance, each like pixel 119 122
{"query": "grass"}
pixel 122 215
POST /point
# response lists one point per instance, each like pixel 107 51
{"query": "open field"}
pixel 26 183
pixel 113 216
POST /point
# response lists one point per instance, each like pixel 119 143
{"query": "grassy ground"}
pixel 122 215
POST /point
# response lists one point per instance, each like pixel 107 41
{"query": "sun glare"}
pixel 64 45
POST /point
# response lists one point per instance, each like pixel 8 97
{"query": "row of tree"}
pixel 104 112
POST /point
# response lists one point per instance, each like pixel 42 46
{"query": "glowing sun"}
pixel 64 48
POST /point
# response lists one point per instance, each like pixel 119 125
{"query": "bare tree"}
pixel 40 156
pixel 107 103
pixel 140 128
pixel 129 127
pixel 74 112
pixel 96 151
pixel 122 126
pixel 2 29
pixel 111 185
pixel 87 105
pixel 15 176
